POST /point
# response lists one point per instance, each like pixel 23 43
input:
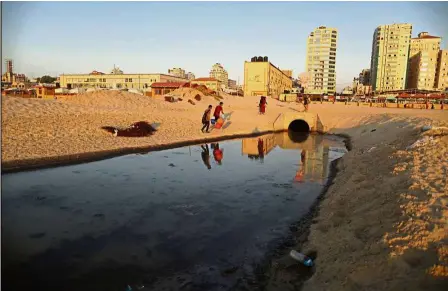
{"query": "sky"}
pixel 151 37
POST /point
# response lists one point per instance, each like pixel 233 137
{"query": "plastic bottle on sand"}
pixel 301 258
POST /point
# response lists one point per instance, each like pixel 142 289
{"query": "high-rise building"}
pixel 364 77
pixel 177 72
pixel 441 82
pixel 422 65
pixel 9 66
pixel 321 60
pixel 389 61
pixel 219 73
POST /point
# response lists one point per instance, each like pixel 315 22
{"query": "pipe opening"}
pixel 299 125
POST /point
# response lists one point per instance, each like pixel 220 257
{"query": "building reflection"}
pixel 313 152
pixel 259 147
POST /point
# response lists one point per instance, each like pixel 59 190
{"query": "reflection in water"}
pixel 314 152
pixel 135 220
pixel 300 172
pixel 205 154
pixel 217 153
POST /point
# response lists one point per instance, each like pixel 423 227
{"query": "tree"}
pixel 46 79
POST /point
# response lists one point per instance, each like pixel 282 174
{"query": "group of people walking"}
pixel 206 117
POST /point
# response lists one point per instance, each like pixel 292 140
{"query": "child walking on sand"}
pixel 206 119
pixel 218 111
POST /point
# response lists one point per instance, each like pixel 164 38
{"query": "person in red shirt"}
pixel 218 111
pixel 218 154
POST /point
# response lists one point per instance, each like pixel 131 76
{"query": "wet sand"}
pixel 381 225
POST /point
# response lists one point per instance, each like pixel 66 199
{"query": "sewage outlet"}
pixel 299 125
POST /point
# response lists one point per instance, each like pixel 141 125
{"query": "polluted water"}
pixel 185 218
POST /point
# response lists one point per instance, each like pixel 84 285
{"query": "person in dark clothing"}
pixel 206 119
pixel 205 154
pixel 261 149
pixel 262 105
pixel 306 101
pixel 218 111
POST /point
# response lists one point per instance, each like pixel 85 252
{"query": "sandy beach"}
pixel 382 225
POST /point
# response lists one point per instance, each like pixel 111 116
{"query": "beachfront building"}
pixel 115 81
pixel 441 82
pixel 210 83
pixel 262 78
pixel 231 84
pixel 303 80
pixel 422 65
pixel 45 92
pixel 361 89
pixel 321 60
pixel 364 77
pixel 159 89
pixel 11 79
pixel 219 73
pixel 190 76
pixel 177 72
pixel 389 59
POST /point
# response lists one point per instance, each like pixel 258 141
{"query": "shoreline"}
pixel 296 239
pixel 26 165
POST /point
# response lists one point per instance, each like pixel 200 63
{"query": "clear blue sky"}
pixel 148 37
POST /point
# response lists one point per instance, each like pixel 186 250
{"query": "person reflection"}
pixel 217 153
pixel 300 173
pixel 205 154
pixel 260 149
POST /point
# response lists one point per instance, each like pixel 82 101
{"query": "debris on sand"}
pixel 422 142
pixel 137 129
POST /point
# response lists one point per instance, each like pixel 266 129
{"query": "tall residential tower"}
pixel 422 64
pixel 219 73
pixel 390 52
pixel 441 82
pixel 321 61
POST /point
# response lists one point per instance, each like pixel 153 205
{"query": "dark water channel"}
pixel 192 218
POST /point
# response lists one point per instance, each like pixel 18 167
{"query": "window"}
pixel 126 79
pixel 130 80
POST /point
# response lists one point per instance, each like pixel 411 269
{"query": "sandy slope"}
pixel 382 224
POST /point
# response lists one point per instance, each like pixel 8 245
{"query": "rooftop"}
pixel 427 36
pixel 205 79
pixel 167 84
